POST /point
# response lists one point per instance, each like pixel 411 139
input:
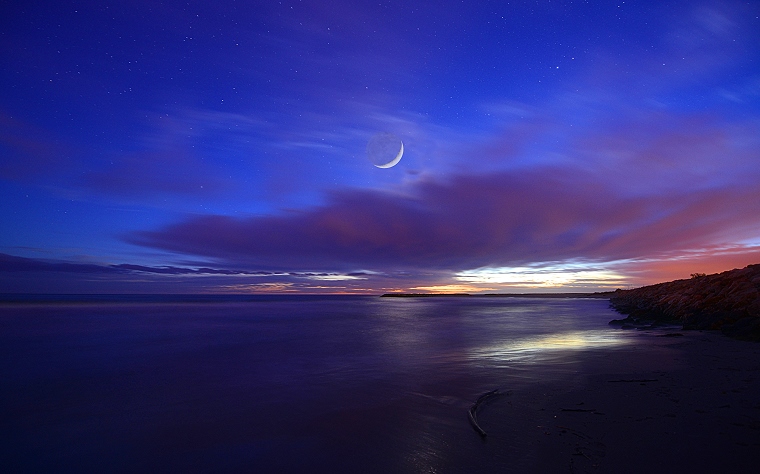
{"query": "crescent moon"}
pixel 394 161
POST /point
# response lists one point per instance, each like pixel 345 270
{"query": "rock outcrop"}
pixel 728 301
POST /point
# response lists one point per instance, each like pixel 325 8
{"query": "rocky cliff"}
pixel 729 301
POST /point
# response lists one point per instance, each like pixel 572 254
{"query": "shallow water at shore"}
pixel 317 384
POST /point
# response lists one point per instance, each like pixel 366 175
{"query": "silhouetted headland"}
pixel 728 301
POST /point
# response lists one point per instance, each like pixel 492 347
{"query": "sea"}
pixel 283 383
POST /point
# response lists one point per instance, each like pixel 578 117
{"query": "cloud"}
pixel 681 264
pixel 12 263
pixel 622 186
pixel 257 288
pixel 24 275
pixel 455 288
pixel 169 270
pixel 466 222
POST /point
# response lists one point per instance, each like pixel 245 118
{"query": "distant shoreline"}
pixel 40 298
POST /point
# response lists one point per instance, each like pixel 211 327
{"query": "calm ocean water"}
pixel 274 384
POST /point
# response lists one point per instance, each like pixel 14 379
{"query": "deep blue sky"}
pixel 220 146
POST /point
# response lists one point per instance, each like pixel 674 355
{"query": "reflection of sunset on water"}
pixel 567 341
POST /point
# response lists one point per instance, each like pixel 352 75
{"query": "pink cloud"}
pixel 468 222
pixel 668 267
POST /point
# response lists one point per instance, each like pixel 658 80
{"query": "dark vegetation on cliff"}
pixel 728 301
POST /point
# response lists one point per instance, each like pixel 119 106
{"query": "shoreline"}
pixel 727 301
pixel 687 403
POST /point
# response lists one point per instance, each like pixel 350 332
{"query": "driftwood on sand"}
pixel 473 412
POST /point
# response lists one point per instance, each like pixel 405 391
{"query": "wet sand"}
pixel 664 403
pixel 205 388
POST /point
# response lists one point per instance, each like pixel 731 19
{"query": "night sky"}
pixel 181 147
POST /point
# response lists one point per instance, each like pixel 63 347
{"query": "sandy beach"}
pixel 664 403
